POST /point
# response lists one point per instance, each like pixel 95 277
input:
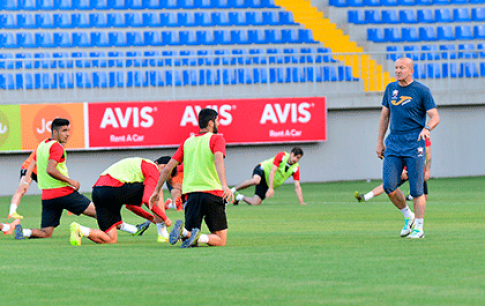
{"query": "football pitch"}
pixel 333 251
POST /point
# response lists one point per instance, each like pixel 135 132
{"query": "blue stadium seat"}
pixel 80 39
pixel 44 40
pixel 188 58
pixel 24 21
pixel 152 38
pixel 407 2
pixel 356 3
pixel 467 51
pixel 308 55
pixel 305 36
pixel 240 56
pixel 314 75
pixel 187 38
pixel 64 79
pixel 62 20
pixel 7 81
pixel 338 3
pixel 6 61
pixel 173 78
pixel 115 20
pixel 205 4
pixel 419 71
pixel 26 40
pixel 445 33
pixel 461 15
pixel 448 51
pixel 433 70
pixel 134 4
pixel 169 19
pixel 136 79
pixel 427 34
pixel 479 32
pixel 390 16
pixel 270 18
pixel 98 59
pixel 44 80
pixel 430 52
pixel 133 59
pixel 389 3
pixel 116 79
pixel 394 52
pixel 187 4
pixel 482 69
pixel 273 36
pixel 481 50
pixel 61 60
pixel 289 36
pixel 117 4
pixel 356 16
pixel 98 20
pixel 424 2
pixel 46 5
pixel 24 81
pixel 229 76
pixel 81 4
pixel 83 80
pixel 100 4
pixel 117 39
pixel 237 18
pixel 372 16
pixel 425 16
pixel 23 60
pixel 156 78
pixel 22 5
pixel 222 37
pixel 298 74
pixel 151 19
pixel 372 3
pixel 412 52
pixel 407 16
pixel 254 18
pixel 204 37
pixel 153 58
pixel 189 77
pixel 256 36
pixel 81 59
pixel 202 19
pixel 80 20
pixel 409 34
pixel 172 4
pixel 478 14
pixel 463 32
pixel 170 58
pixel 345 74
pixel 134 38
pixel 62 39
pixel 329 74
pixel 286 18
pixel 392 35
pixel 8 21
pixel 275 55
pixel 185 19
pixel 238 3
pixel 220 18
pixel 375 35
pixel 100 79
pixel 441 2
pixel 210 77
pixel 468 70
pixel 221 3
pixel 244 76
pixel 99 39
pixel 443 15
pixel 276 75
pixel 257 56
pixel 291 55
pixel 115 59
pixel 64 4
pixel 323 55
pixel 170 38
pixel 7 40
pixel 223 56
pixel 42 60
pixel 204 57
pixel 44 21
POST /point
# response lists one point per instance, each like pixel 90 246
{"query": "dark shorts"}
pixel 425 185
pixel 392 169
pixel 52 209
pixel 211 208
pixel 109 200
pixel 262 187
pixel 23 172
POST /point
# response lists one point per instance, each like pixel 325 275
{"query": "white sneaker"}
pixel 408 226
pixel 416 234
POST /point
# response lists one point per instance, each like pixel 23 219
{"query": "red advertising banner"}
pixel 242 121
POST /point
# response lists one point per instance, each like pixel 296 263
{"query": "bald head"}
pixel 404 71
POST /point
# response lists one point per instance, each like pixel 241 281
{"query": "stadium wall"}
pixel 349 153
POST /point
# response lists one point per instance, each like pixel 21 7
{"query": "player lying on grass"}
pixel 130 181
pixel 270 174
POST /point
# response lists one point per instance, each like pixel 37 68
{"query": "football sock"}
pixel 27 233
pixel 6 227
pixel 204 238
pixel 125 227
pixel 233 190
pixel 407 213
pixel 13 209
pixel 184 233
pixel 240 197
pixel 86 230
pixel 162 229
pixel 368 196
pixel 419 224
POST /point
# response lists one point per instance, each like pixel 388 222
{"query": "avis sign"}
pixel 242 121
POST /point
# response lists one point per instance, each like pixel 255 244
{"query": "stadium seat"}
pixel 467 51
pixel 170 38
pixel 134 38
pixel 273 36
pixel 22 5
pixel 169 59
pixel 441 2
pixel 99 39
pixel 478 14
pixel 222 56
pixel 204 57
pixel 80 39
pixel 44 80
pixel 276 75
pixel 425 16
pixel 133 59
pixel 372 3
pixel 430 52
pixel 83 80
pixel 80 20
pixel 307 55
pixel 412 52
pixel 481 50
pixel 372 17
pixel 62 20
pixel 424 2
pixel 117 4
pixel 392 35
pixel 98 59
pixel 64 79
pixel 482 69
pixel 81 59
pixel 116 79
pixel 254 18
pixel 115 20
pixel 325 55
pixel 6 61
pixel 407 2
pixel 98 20
pixel 240 56
pixel 427 34
pixel 313 75
pixel 445 33
pixel 169 19
pixel 329 74
pixel 356 16
pixel 115 59
pixel 394 52
pixel 134 4
pixel 257 56
pixel 305 36
pixel 202 19
pixel 409 34
pixel 356 3
pixel 23 60
pixel 185 19
pixel 375 35
pixel 448 51
pixel 81 4
pixel 151 19
pixel 298 74
pixel 64 5
pixel 171 4
pixel 419 71
pixel 62 60
pixel 468 70
pixel 136 79
pixel 7 40
pixel 204 4
pixel 244 76
pixel 8 21
pixel 42 60
pixel 204 37
pixel 189 77
pixel 270 18
pixel 220 18
pixel 461 15
pixel 389 3
pixel 117 39
pixel 209 77
pixel 221 3
pixel 187 58
pixel 24 21
pixel 44 40
pixel 222 37
pixel 44 21
pixel 289 36
pixel 238 4
pixel 26 40
pixel 291 55
pixel 237 18
pixel 463 32
pixel 229 76
pixel 153 58
pixel 62 39
pixel 338 3
pixel 443 15
pixel 152 38
pixel 390 16
pixel 100 4
pixel 7 81
pixel 433 70
pixel 275 56
pixel 24 81
pixel 407 16
pixel 256 36
pixel 479 32
pixel 187 38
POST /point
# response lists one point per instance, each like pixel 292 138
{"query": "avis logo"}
pixel 190 114
pixel 137 117
pixel 275 113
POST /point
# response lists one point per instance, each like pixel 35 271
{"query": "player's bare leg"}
pixel 255 200
pixel 45 232
pixel 90 211
pixel 247 183
pixel 399 200
pixel 419 208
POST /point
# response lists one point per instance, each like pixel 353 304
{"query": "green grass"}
pixel 334 251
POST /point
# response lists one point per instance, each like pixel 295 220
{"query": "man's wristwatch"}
pixel 428 128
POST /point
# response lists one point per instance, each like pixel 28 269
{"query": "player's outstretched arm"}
pixel 299 193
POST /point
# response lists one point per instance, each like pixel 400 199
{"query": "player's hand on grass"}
pixel 302 203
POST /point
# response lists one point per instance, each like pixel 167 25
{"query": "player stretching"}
pixel 405 105
pixel 270 174
pixel 27 174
